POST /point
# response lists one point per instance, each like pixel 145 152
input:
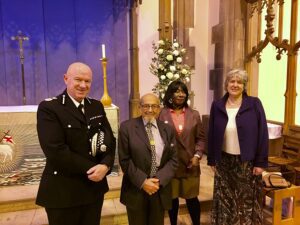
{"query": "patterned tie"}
pixel 153 152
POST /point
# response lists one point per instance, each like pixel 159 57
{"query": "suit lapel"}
pixel 169 119
pixel 141 132
pixel 187 123
pixel 164 136
pixel 221 105
pixel 245 104
pixel 162 131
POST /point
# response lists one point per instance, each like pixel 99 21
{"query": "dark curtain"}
pixel 61 32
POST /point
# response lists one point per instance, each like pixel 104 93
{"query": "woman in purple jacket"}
pixel 237 152
pixel 190 145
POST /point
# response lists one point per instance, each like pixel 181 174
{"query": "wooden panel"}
pixel 189 13
pixel 279 195
pixel 165 29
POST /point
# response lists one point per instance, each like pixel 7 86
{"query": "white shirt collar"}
pixel 75 102
pixel 154 123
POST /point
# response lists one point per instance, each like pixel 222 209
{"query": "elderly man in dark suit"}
pixel 147 154
pixel 79 146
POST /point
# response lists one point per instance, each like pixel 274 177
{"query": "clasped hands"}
pixel 151 186
pixel 97 173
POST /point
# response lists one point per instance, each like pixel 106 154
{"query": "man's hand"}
pixel 97 173
pixel 151 185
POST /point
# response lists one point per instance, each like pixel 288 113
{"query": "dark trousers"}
pixel 150 213
pixel 193 206
pixel 79 215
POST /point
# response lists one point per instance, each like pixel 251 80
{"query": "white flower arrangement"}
pixel 167 65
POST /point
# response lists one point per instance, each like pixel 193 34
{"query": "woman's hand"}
pixel 213 168
pixel 194 162
pixel 257 171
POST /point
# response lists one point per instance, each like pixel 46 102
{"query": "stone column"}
pixel 134 59
pixel 229 39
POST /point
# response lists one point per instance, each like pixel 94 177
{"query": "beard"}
pixel 150 118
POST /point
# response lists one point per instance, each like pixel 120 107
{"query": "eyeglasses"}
pixel 147 107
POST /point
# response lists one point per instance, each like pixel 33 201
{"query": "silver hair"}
pixel 240 73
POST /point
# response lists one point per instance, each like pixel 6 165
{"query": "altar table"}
pixel 28 160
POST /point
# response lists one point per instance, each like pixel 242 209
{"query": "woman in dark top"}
pixel 190 146
pixel 237 152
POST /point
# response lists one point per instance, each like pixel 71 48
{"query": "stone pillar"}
pixel 229 39
pixel 134 65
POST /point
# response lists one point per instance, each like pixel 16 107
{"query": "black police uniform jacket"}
pixel 65 137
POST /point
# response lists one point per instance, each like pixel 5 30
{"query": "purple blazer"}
pixel 251 128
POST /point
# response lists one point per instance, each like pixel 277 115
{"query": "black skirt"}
pixel 238 196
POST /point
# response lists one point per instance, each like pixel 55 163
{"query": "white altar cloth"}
pixel 275 139
pixel 17 108
pixel 20 123
pixel 275 131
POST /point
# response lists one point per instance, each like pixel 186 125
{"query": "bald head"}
pixel 78 67
pixel 149 106
pixel 78 80
pixel 149 96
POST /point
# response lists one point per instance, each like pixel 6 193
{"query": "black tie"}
pixel 80 108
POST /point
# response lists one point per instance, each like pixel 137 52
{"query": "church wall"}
pixel 205 17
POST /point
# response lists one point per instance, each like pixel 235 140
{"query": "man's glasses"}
pixel 147 107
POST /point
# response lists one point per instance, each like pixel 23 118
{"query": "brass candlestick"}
pixel 106 99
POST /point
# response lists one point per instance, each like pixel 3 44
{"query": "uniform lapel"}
pixel 71 108
pixel 88 110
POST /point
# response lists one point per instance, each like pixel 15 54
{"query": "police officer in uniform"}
pixel 79 146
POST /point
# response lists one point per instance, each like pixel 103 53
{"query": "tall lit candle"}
pixel 103 50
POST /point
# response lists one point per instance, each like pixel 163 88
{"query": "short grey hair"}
pixel 240 73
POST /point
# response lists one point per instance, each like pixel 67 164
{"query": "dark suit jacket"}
pixel 251 128
pixel 135 160
pixel 64 136
pixel 191 141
